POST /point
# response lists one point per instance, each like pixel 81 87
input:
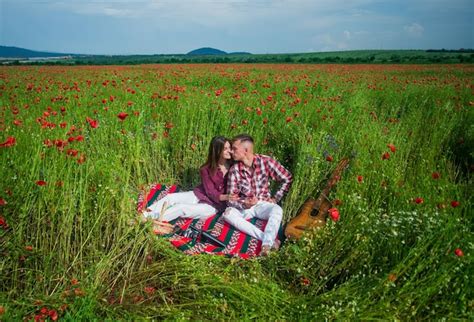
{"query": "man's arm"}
pixel 278 173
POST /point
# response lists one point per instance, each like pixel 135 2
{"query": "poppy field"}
pixel 78 145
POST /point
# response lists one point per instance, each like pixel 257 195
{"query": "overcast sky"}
pixel 256 26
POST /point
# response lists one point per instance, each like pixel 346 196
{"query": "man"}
pixel 250 178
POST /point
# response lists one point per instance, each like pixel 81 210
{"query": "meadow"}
pixel 78 144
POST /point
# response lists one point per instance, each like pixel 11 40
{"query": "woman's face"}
pixel 226 153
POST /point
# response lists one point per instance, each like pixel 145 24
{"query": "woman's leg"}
pixel 185 210
pixel 187 197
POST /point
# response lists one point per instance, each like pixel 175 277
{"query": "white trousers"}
pixel 180 204
pixel 262 210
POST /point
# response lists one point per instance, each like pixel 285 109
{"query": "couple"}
pixel 241 188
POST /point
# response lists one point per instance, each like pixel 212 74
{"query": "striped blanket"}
pixel 237 244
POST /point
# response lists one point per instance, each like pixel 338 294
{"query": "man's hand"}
pixel 250 202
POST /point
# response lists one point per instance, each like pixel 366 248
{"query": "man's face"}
pixel 238 151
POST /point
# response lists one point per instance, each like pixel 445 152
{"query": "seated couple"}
pixel 237 181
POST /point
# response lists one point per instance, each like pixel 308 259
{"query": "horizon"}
pixel 162 27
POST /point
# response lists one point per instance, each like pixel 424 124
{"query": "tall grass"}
pixel 70 245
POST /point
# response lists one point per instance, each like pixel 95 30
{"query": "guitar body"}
pixel 310 216
pixel 313 213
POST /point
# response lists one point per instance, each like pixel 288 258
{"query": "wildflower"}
pixel 386 156
pixel 72 152
pixel 334 214
pixel 122 115
pixel 74 281
pixel 435 175
pixel 329 158
pixel 458 252
pixel 2 310
pixel 392 277
pixel 305 281
pixel 360 178
pixel 93 123
pixel 337 202
pixel 29 248
pixel 81 159
pixel 10 141
pixel 150 290
pixel 53 315
pixel 2 202
pixel 454 203
pixel 419 200
pixel 391 147
pixel 17 122
pixel 41 183
pixel 289 119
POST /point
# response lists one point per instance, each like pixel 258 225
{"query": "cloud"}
pixel 415 30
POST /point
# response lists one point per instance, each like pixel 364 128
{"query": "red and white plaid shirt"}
pixel 255 181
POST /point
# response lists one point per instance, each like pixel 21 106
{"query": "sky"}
pixel 258 26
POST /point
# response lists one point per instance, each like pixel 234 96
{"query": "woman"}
pixel 206 199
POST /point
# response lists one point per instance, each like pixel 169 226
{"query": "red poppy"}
pixel 305 281
pixel 74 281
pixel 122 115
pixel 419 200
pixel 360 178
pixel 289 119
pixel 72 152
pixel 10 141
pixel 391 147
pixel 41 183
pixel 219 92
pixel 81 159
pixel 169 125
pixel 79 138
pixel 337 202
pixel 435 175
pixel 150 290
pixel 17 122
pixel 334 214
pixel 29 248
pixel 329 158
pixel 93 123
pixel 53 315
pixel 2 202
pixel 454 203
pixel 386 156
pixel 2 310
pixel 459 252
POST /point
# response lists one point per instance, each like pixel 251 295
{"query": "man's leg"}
pixel 197 210
pixel 274 214
pixel 187 197
pixel 238 219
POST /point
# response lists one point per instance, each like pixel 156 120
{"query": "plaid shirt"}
pixel 254 181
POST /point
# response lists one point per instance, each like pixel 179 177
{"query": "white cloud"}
pixel 414 30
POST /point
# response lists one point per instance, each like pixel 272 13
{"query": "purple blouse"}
pixel 211 187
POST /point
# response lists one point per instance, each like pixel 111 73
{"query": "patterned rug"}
pixel 236 243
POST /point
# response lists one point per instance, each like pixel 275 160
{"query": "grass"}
pixel 67 246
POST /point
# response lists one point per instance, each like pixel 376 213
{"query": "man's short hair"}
pixel 243 138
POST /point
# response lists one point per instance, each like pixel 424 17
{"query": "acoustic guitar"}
pixel 313 212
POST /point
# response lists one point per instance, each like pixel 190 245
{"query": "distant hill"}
pixel 16 52
pixel 206 51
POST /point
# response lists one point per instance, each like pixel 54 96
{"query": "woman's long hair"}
pixel 215 150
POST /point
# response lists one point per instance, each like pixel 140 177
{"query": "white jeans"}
pixel 180 204
pixel 262 210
